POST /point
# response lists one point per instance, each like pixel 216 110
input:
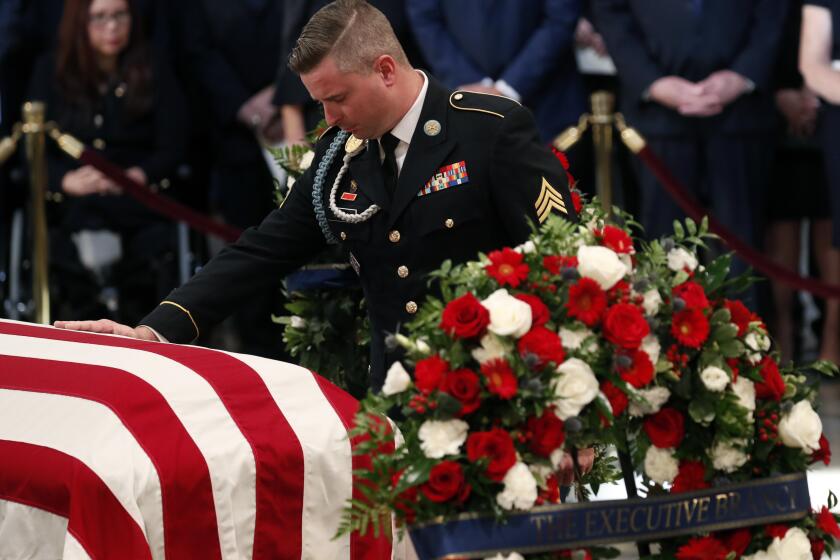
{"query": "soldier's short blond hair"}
pixel 353 32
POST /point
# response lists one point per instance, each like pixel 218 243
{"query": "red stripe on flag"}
pixel 189 516
pixel 279 457
pixel 56 482
pixel 361 547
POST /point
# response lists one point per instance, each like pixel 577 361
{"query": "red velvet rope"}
pixel 753 257
pixel 158 203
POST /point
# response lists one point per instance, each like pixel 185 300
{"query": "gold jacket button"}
pixel 449 223
pixel 402 272
pixel 394 236
pixel 342 235
pixel 411 307
pixel 99 144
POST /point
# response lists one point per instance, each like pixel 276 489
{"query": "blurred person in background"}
pixel 696 81
pixel 104 86
pixel 818 61
pixel 798 165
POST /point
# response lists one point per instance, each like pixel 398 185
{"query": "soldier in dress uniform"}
pixel 408 175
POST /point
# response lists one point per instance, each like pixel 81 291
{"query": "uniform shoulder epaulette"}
pixel 325 132
pixel 488 103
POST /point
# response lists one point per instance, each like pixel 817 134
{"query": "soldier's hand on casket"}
pixel 106 326
pixel 566 470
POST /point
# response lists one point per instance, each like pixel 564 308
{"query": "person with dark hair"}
pixel 103 86
pixel 378 186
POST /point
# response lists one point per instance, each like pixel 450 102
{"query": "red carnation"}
pixel 616 239
pixel 773 386
pixel 465 317
pixel 737 541
pixel 702 548
pixel 692 476
pixel 576 199
pixel 692 294
pixel 539 310
pixel 545 434
pixel 501 380
pixel 463 384
pixel 827 523
pixel 666 428
pixel 507 268
pixel 429 373
pixel 555 263
pixel 690 327
pixel 587 301
pixel 446 481
pixel 618 399
pixel 640 372
pixel 823 453
pixel 497 446
pixel 544 344
pixel 625 326
pixel 776 531
pixel 740 315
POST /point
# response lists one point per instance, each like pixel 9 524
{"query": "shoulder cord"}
pixel 318 186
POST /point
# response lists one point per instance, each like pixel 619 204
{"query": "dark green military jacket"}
pixel 474 177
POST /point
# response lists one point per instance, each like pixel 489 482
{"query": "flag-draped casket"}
pixel 117 448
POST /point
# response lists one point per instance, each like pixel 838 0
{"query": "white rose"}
pixel 511 556
pixel 508 316
pixel 744 389
pixel 651 347
pixel 306 160
pixel 491 347
pixel 520 490
pixel 801 427
pixel 572 340
pixel 575 387
pixel 660 465
pixel 652 301
pixel 714 378
pixel 727 456
pixel 760 555
pixel 297 322
pixel 439 438
pixel 600 264
pixel 655 397
pixel 795 546
pixel 526 248
pixel 680 259
pixel 396 381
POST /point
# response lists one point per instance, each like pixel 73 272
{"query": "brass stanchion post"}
pixel 602 120
pixel 34 132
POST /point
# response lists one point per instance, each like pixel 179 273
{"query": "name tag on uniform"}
pixel 446 177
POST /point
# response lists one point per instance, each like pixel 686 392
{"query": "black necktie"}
pixel 389 164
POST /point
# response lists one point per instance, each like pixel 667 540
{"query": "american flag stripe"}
pixel 50 476
pixel 27 531
pixel 186 494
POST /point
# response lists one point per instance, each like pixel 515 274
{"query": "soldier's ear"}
pixel 386 68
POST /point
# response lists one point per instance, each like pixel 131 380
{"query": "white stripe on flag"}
pixel 227 453
pixel 73 550
pixel 93 434
pixel 30 532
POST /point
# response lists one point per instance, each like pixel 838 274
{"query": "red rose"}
pixel 692 294
pixel 827 523
pixel 640 372
pixel 501 381
pixel 587 301
pixel 429 373
pixel 554 264
pixel 737 541
pixel 823 453
pixel 702 548
pixel 463 384
pixel 774 531
pixel 666 428
pixel 618 399
pixel 545 434
pixel 446 481
pixel 544 344
pixel 690 327
pixel 507 268
pixel 817 548
pixel 692 476
pixel 497 446
pixel 625 326
pixel 539 311
pixel 616 239
pixel 740 315
pixel 465 317
pixel 773 386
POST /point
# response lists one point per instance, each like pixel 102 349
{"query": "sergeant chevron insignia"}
pixel 549 200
